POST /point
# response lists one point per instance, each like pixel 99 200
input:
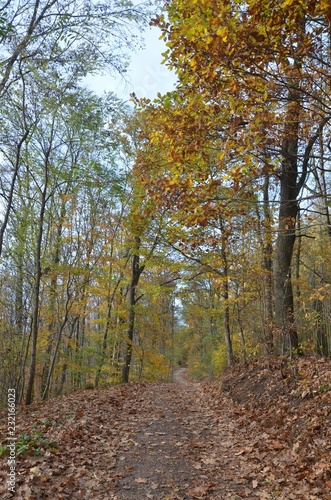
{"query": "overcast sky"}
pixel 146 75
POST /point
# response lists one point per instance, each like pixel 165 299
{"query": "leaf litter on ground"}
pixel 260 432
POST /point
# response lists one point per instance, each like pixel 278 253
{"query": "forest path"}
pixel 167 441
pixel 171 448
pixel 180 375
pixel 135 441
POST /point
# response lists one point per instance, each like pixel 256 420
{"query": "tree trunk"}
pixel 57 345
pixel 227 330
pixel 111 298
pixel 284 306
pixel 288 210
pixel 59 390
pixel 135 275
pixel 10 195
pixel 35 303
pixel 268 263
pixel 322 345
pixel 290 185
pixel 52 326
pixel 37 280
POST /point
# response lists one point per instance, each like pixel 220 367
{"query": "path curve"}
pixel 180 376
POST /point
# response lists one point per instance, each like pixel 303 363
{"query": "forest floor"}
pixel 260 432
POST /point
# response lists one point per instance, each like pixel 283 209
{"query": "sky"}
pixel 146 75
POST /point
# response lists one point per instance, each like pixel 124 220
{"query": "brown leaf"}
pixel 141 480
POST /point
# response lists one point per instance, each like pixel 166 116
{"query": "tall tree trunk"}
pixel 241 330
pixel 37 277
pixel 288 210
pixel 111 297
pixel 290 185
pixel 20 323
pixel 136 271
pixel 268 264
pixel 53 323
pixel 227 330
pixel 57 345
pixel 297 264
pixel 322 345
pixel 35 303
pixel 59 389
pixel 265 234
pixel 10 195
pixel 284 306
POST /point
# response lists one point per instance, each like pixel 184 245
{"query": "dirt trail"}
pixel 180 440
pixel 175 448
pixel 180 376
pixel 138 441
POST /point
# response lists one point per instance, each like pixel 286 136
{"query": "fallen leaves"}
pixel 185 441
pixel 141 480
pixel 293 427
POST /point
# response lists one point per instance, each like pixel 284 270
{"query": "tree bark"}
pixel 57 345
pixel 135 275
pixel 227 330
pixel 36 298
pixel 53 294
pixel 37 277
pixel 110 301
pixel 288 210
pixel 10 195
pixel 290 185
pixel 322 345
pixel 268 263
pixel 284 306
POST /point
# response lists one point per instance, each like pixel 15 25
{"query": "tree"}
pixel 60 34
pixel 136 271
pixel 68 165
pixel 53 38
pixel 54 139
pixel 255 66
